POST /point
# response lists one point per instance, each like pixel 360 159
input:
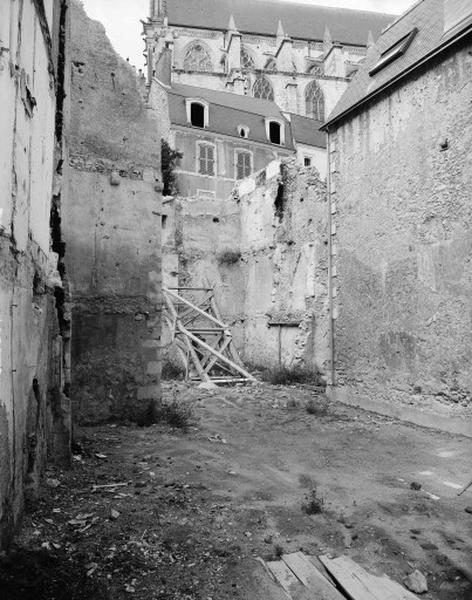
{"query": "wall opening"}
pixel 275 132
pixel 197 115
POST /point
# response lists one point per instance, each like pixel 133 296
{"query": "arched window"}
pixel 271 65
pixel 262 88
pixel 247 61
pixel 315 104
pixel 316 70
pixel 197 58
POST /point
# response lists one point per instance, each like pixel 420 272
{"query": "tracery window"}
pixel 243 164
pixel 197 58
pixel 206 159
pixel 262 88
pixel 316 70
pixel 246 59
pixel 315 104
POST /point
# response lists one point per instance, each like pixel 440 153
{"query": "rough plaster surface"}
pixel 265 251
pixel 34 411
pixel 112 232
pixel 403 244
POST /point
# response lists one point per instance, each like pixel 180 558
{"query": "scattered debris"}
pixel 53 483
pixel 217 439
pixel 314 505
pixel 416 582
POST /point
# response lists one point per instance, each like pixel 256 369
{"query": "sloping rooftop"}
pixel 427 16
pixel 227 111
pixel 304 21
pixel 307 131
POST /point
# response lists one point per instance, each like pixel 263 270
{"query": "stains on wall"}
pixel 402 214
pixel 34 408
pixel 112 232
pixel 264 251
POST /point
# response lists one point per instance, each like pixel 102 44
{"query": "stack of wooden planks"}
pixel 204 342
pixel 304 578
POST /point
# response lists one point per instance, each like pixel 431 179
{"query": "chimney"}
pixel 456 12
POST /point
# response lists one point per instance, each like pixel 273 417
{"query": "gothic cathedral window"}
pixel 197 58
pixel 263 88
pixel 246 59
pixel 315 104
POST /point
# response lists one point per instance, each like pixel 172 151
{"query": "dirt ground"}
pixel 198 507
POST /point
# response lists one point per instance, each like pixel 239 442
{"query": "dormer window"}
pixel 243 131
pixel 398 49
pixel 197 112
pixel 275 130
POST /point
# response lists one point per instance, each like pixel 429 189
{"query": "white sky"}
pixel 121 19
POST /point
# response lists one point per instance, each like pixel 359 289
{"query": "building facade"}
pixel 34 322
pixel 298 55
pixel 400 144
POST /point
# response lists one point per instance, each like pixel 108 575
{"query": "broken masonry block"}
pixel 115 178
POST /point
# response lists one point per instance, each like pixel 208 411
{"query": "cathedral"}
pixel 246 82
pixel 299 55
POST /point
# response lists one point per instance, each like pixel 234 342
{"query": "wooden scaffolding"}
pixel 204 342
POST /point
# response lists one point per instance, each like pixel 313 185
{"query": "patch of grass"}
pixel 229 257
pixel 171 371
pixel 292 375
pixel 278 551
pixel 317 406
pixel 179 415
pixel 313 505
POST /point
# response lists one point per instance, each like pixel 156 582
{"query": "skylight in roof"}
pixel 398 49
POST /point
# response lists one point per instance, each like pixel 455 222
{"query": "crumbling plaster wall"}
pixel 402 185
pixel 34 410
pixel 112 233
pixel 265 251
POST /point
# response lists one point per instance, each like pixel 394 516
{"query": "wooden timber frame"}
pixel 203 341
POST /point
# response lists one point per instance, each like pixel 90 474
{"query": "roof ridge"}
pixel 402 16
pixel 330 8
pixel 245 110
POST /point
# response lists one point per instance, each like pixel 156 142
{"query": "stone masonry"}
pixel 34 407
pixel 402 248
pixel 112 232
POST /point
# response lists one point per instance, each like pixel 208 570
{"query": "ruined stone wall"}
pixel 112 232
pixel 403 249
pixel 265 251
pixel 34 410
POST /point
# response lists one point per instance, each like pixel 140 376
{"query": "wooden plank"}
pixel 234 355
pixel 201 312
pixel 287 580
pixel 309 575
pixel 224 359
pixel 360 585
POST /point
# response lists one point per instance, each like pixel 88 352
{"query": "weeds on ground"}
pixel 291 375
pixel 179 415
pixel 313 505
pixel 318 407
pixel 171 371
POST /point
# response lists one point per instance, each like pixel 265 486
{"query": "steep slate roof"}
pixel 304 21
pixel 307 131
pixel 227 111
pixel 428 17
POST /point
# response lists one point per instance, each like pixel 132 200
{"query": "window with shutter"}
pixel 243 164
pixel 206 159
